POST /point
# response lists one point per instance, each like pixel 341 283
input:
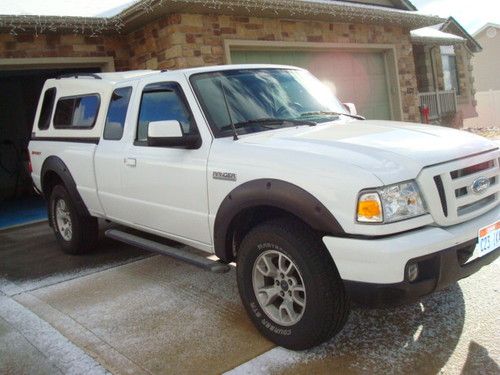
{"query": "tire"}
pixel 75 233
pixel 326 305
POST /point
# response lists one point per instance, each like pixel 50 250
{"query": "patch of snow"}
pixel 110 8
pixel 433 33
pixel 87 8
pixel 59 351
pixel 391 340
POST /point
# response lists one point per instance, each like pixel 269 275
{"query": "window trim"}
pixel 78 127
pixel 160 87
pixel 126 112
pixel 456 74
pixel 51 108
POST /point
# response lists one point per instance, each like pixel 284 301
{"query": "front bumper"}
pixel 373 270
pixel 441 270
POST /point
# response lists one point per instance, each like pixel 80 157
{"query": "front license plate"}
pixel 489 239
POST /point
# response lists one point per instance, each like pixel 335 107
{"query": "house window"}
pixel 450 72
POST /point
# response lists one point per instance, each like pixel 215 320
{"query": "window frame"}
pixel 159 87
pixel 75 97
pixel 448 56
pixel 51 108
pixel 126 112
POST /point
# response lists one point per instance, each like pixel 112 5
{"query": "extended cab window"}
pixel 47 108
pixel 77 112
pixel 160 102
pixel 117 112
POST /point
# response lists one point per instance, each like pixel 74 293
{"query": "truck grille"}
pixel 448 188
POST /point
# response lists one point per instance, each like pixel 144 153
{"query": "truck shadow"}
pixel 417 338
pixel 30 258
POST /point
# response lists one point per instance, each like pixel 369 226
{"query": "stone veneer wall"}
pixel 189 40
pixel 464 69
pixel 423 68
pixel 64 45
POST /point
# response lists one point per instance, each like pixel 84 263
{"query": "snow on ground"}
pixel 60 352
pixel 440 333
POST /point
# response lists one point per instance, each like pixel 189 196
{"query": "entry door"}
pixel 355 77
pixel 166 187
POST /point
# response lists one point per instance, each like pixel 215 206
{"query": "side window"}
pixel 117 112
pixel 160 102
pixel 47 108
pixel 77 112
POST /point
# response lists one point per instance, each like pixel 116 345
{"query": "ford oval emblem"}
pixel 480 184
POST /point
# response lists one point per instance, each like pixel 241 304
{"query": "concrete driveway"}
pixel 129 312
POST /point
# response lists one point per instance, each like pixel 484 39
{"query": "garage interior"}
pixel 19 93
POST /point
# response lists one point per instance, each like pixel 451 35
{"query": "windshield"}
pixel 263 99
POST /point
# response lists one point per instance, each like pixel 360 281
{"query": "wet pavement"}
pixel 129 312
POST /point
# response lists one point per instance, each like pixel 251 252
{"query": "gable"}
pixel 486 30
pixel 452 26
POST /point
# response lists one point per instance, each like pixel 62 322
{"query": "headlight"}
pixel 390 203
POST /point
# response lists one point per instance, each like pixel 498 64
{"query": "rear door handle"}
pixel 130 162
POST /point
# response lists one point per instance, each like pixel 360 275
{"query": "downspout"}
pixel 433 66
pixel 435 81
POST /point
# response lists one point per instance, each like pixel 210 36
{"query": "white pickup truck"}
pixel 262 166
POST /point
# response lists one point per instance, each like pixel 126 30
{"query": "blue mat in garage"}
pixel 22 211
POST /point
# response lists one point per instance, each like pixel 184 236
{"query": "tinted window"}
pixel 117 112
pixel 162 102
pixel 77 112
pixel 47 107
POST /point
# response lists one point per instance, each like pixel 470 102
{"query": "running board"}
pixel 156 247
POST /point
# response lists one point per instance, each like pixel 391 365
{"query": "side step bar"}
pixel 156 247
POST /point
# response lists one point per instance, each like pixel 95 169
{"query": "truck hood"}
pixel 388 149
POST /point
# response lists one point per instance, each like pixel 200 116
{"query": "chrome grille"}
pixel 447 188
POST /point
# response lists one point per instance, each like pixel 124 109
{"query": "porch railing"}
pixel 440 103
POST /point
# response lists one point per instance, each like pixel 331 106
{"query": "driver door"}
pixel 166 187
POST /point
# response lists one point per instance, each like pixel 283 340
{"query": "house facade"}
pixel 486 63
pixel 487 79
pixel 366 51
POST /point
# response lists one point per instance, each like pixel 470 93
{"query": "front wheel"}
pixel 290 286
pixel 76 233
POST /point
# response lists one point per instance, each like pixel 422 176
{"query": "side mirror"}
pixel 351 108
pixel 169 134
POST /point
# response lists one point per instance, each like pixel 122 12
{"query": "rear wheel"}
pixel 76 233
pixel 290 286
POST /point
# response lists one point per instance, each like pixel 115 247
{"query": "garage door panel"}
pixel 356 77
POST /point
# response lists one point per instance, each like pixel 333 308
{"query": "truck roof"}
pixel 133 75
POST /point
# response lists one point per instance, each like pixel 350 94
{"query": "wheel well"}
pixel 247 219
pixel 49 180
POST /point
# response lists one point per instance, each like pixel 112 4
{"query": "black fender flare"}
pixel 273 193
pixel 56 165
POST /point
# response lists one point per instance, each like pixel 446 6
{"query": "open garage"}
pixel 21 81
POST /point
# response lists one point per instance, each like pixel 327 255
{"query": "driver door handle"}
pixel 130 162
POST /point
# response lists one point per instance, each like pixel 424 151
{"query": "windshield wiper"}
pixel 330 113
pixel 268 121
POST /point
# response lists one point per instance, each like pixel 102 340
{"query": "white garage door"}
pixel 356 77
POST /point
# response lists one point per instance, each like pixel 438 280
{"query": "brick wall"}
pixel 188 40
pixel 64 45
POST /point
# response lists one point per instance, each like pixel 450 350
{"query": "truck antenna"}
pixel 235 133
